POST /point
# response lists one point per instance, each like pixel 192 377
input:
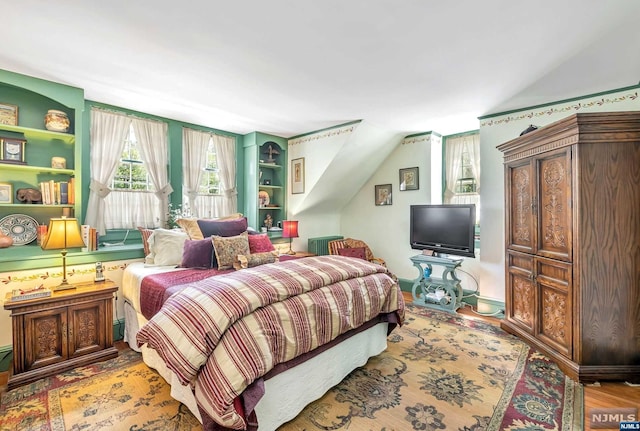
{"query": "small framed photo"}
pixel 297 176
pixel 8 114
pixel 409 179
pixel 6 193
pixel 383 194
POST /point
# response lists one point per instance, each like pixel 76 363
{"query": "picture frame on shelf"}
pixel 297 176
pixel 12 150
pixel 8 114
pixel 383 194
pixel 409 179
pixel 6 193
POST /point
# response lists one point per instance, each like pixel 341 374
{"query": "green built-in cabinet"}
pixel 265 167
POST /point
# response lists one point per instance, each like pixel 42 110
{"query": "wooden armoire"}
pixel 572 205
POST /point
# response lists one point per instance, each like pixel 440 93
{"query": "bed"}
pixel 226 379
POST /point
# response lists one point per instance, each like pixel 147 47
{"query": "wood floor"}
pixel 603 396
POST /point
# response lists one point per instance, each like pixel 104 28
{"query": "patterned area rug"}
pixel 440 372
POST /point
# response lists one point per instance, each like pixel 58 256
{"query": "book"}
pixel 64 192
pixel 84 230
pixel 41 233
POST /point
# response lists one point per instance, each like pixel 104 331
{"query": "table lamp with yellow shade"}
pixel 63 233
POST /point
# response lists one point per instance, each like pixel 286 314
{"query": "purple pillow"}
pixel 260 243
pixel 231 227
pixel 197 253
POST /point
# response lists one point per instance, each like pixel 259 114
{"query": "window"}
pixel 208 173
pixel 462 169
pixel 131 173
pixel 210 180
pixel 130 156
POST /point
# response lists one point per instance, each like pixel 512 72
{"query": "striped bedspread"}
pixel 222 333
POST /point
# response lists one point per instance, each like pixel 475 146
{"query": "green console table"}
pixel 442 293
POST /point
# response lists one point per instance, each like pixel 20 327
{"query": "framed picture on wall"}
pixel 409 179
pixel 383 194
pixel 297 176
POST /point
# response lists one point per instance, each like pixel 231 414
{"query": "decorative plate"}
pixel 22 228
pixel 263 198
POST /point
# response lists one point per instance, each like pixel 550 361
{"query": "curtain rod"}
pixel 124 114
pixel 210 133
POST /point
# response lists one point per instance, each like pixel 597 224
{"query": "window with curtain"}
pixel 129 184
pixel 462 170
pixel 209 171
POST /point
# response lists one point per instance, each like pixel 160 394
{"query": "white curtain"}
pixel 152 143
pixel 453 158
pixel 455 147
pixel 195 145
pixel 226 153
pixel 194 152
pixel 108 133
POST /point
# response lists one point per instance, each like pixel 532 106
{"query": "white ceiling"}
pixel 290 67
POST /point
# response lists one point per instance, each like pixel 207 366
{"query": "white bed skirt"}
pixel 287 393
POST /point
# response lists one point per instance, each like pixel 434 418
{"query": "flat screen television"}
pixel 443 229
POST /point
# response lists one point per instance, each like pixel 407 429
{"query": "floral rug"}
pixel 440 372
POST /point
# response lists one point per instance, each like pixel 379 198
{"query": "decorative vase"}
pixel 56 121
pixel 5 241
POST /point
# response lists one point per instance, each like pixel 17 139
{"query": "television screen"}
pixel 443 229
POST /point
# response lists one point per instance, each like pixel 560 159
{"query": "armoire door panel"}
pixel 554 229
pixel 520 198
pixel 521 291
pixel 553 280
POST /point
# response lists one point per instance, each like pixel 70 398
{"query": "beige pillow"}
pixel 190 226
pixel 255 259
pixel 227 248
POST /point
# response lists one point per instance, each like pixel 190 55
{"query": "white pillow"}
pixel 165 247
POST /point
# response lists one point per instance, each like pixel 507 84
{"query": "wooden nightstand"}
pixel 70 328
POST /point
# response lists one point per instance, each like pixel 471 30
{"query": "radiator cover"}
pixel 320 245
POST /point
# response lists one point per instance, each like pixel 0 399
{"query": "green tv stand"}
pixel 444 293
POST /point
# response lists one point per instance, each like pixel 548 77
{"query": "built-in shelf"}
pixel 37 206
pixel 270 166
pixel 39 133
pixel 37 169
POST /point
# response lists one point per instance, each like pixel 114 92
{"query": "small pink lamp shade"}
pixel 290 230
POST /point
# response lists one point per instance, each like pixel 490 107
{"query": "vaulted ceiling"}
pixel 289 67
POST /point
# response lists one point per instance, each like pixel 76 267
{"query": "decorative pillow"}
pixel 197 253
pixel 231 227
pixel 260 243
pixel 145 234
pixel 165 247
pixel 190 226
pixel 255 259
pixel 227 248
pixel 358 252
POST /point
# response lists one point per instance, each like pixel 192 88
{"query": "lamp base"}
pixel 290 252
pixel 63 286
